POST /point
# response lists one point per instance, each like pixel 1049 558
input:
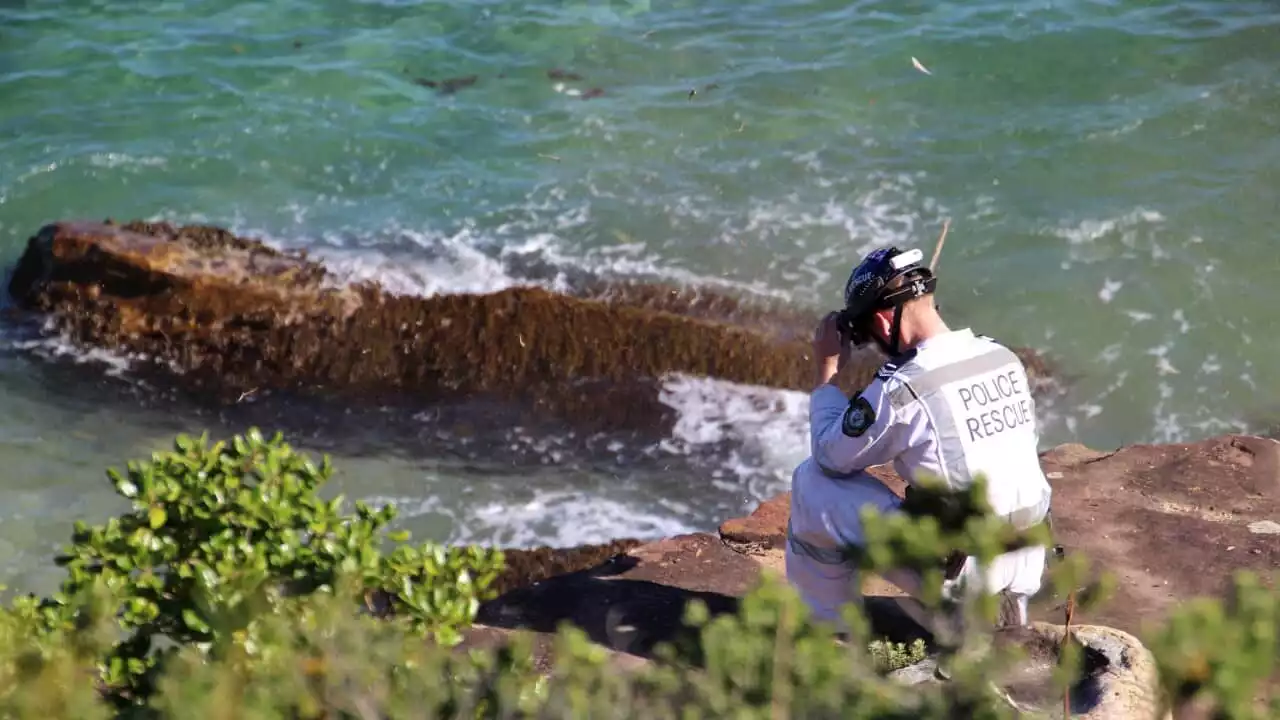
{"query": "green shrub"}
pixel 221 535
pixel 255 584
pixel 1219 655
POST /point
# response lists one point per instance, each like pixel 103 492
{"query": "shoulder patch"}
pixel 857 417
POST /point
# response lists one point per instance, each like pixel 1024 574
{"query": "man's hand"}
pixel 830 350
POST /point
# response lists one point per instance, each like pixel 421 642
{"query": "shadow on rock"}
pixel 631 616
pixel 1030 682
pixel 633 602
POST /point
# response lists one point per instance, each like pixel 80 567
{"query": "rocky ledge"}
pixel 1171 522
pixel 225 316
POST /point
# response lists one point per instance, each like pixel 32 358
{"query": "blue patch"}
pixel 872 266
pixel 858 417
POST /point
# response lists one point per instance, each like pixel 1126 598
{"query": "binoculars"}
pixel 852 327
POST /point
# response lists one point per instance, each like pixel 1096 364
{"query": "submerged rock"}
pixel 226 316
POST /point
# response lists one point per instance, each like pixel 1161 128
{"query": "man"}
pixel 947 403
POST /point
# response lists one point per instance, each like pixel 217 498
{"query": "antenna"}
pixel 937 250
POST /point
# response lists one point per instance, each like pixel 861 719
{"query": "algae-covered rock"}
pixel 231 315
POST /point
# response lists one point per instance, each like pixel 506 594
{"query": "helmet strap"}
pixel 895 333
pixel 918 287
pixel 857 327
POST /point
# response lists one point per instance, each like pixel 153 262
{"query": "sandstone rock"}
pixel 766 527
pixel 632 601
pixel 525 567
pixel 1106 505
pixel 1117 680
pixel 233 316
pixel 1124 688
pixel 626 602
pixel 1170 521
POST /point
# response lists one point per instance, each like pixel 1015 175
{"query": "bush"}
pixel 230 558
pixel 222 535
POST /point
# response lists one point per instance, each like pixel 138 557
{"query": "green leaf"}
pixel 157 517
pixel 123 485
pixel 193 621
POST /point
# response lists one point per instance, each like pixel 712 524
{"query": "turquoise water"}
pixel 1109 168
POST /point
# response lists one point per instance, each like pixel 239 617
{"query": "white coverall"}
pixel 955 405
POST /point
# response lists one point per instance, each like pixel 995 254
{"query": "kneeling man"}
pixel 948 404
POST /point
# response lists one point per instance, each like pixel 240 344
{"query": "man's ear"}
pixel 882 322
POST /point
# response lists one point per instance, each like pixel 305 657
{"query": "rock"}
pixel 528 567
pixel 1117 680
pixel 484 637
pixel 925 671
pixel 765 528
pixel 632 601
pixel 1122 687
pixel 233 317
pixel 531 566
pixel 1162 518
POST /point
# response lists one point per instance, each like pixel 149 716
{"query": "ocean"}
pixel 1109 170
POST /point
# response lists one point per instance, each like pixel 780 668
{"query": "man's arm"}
pixel 849 435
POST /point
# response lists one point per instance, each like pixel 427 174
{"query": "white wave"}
pixel 124 160
pixel 428 262
pixel 1126 236
pixel 58 346
pixel 1109 289
pixel 815 232
pixel 460 271
pixel 558 518
pixel 1089 231
pixel 405 261
pixel 755 435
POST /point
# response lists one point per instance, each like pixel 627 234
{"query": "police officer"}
pixel 947 403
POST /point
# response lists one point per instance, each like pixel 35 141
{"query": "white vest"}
pixel 955 406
